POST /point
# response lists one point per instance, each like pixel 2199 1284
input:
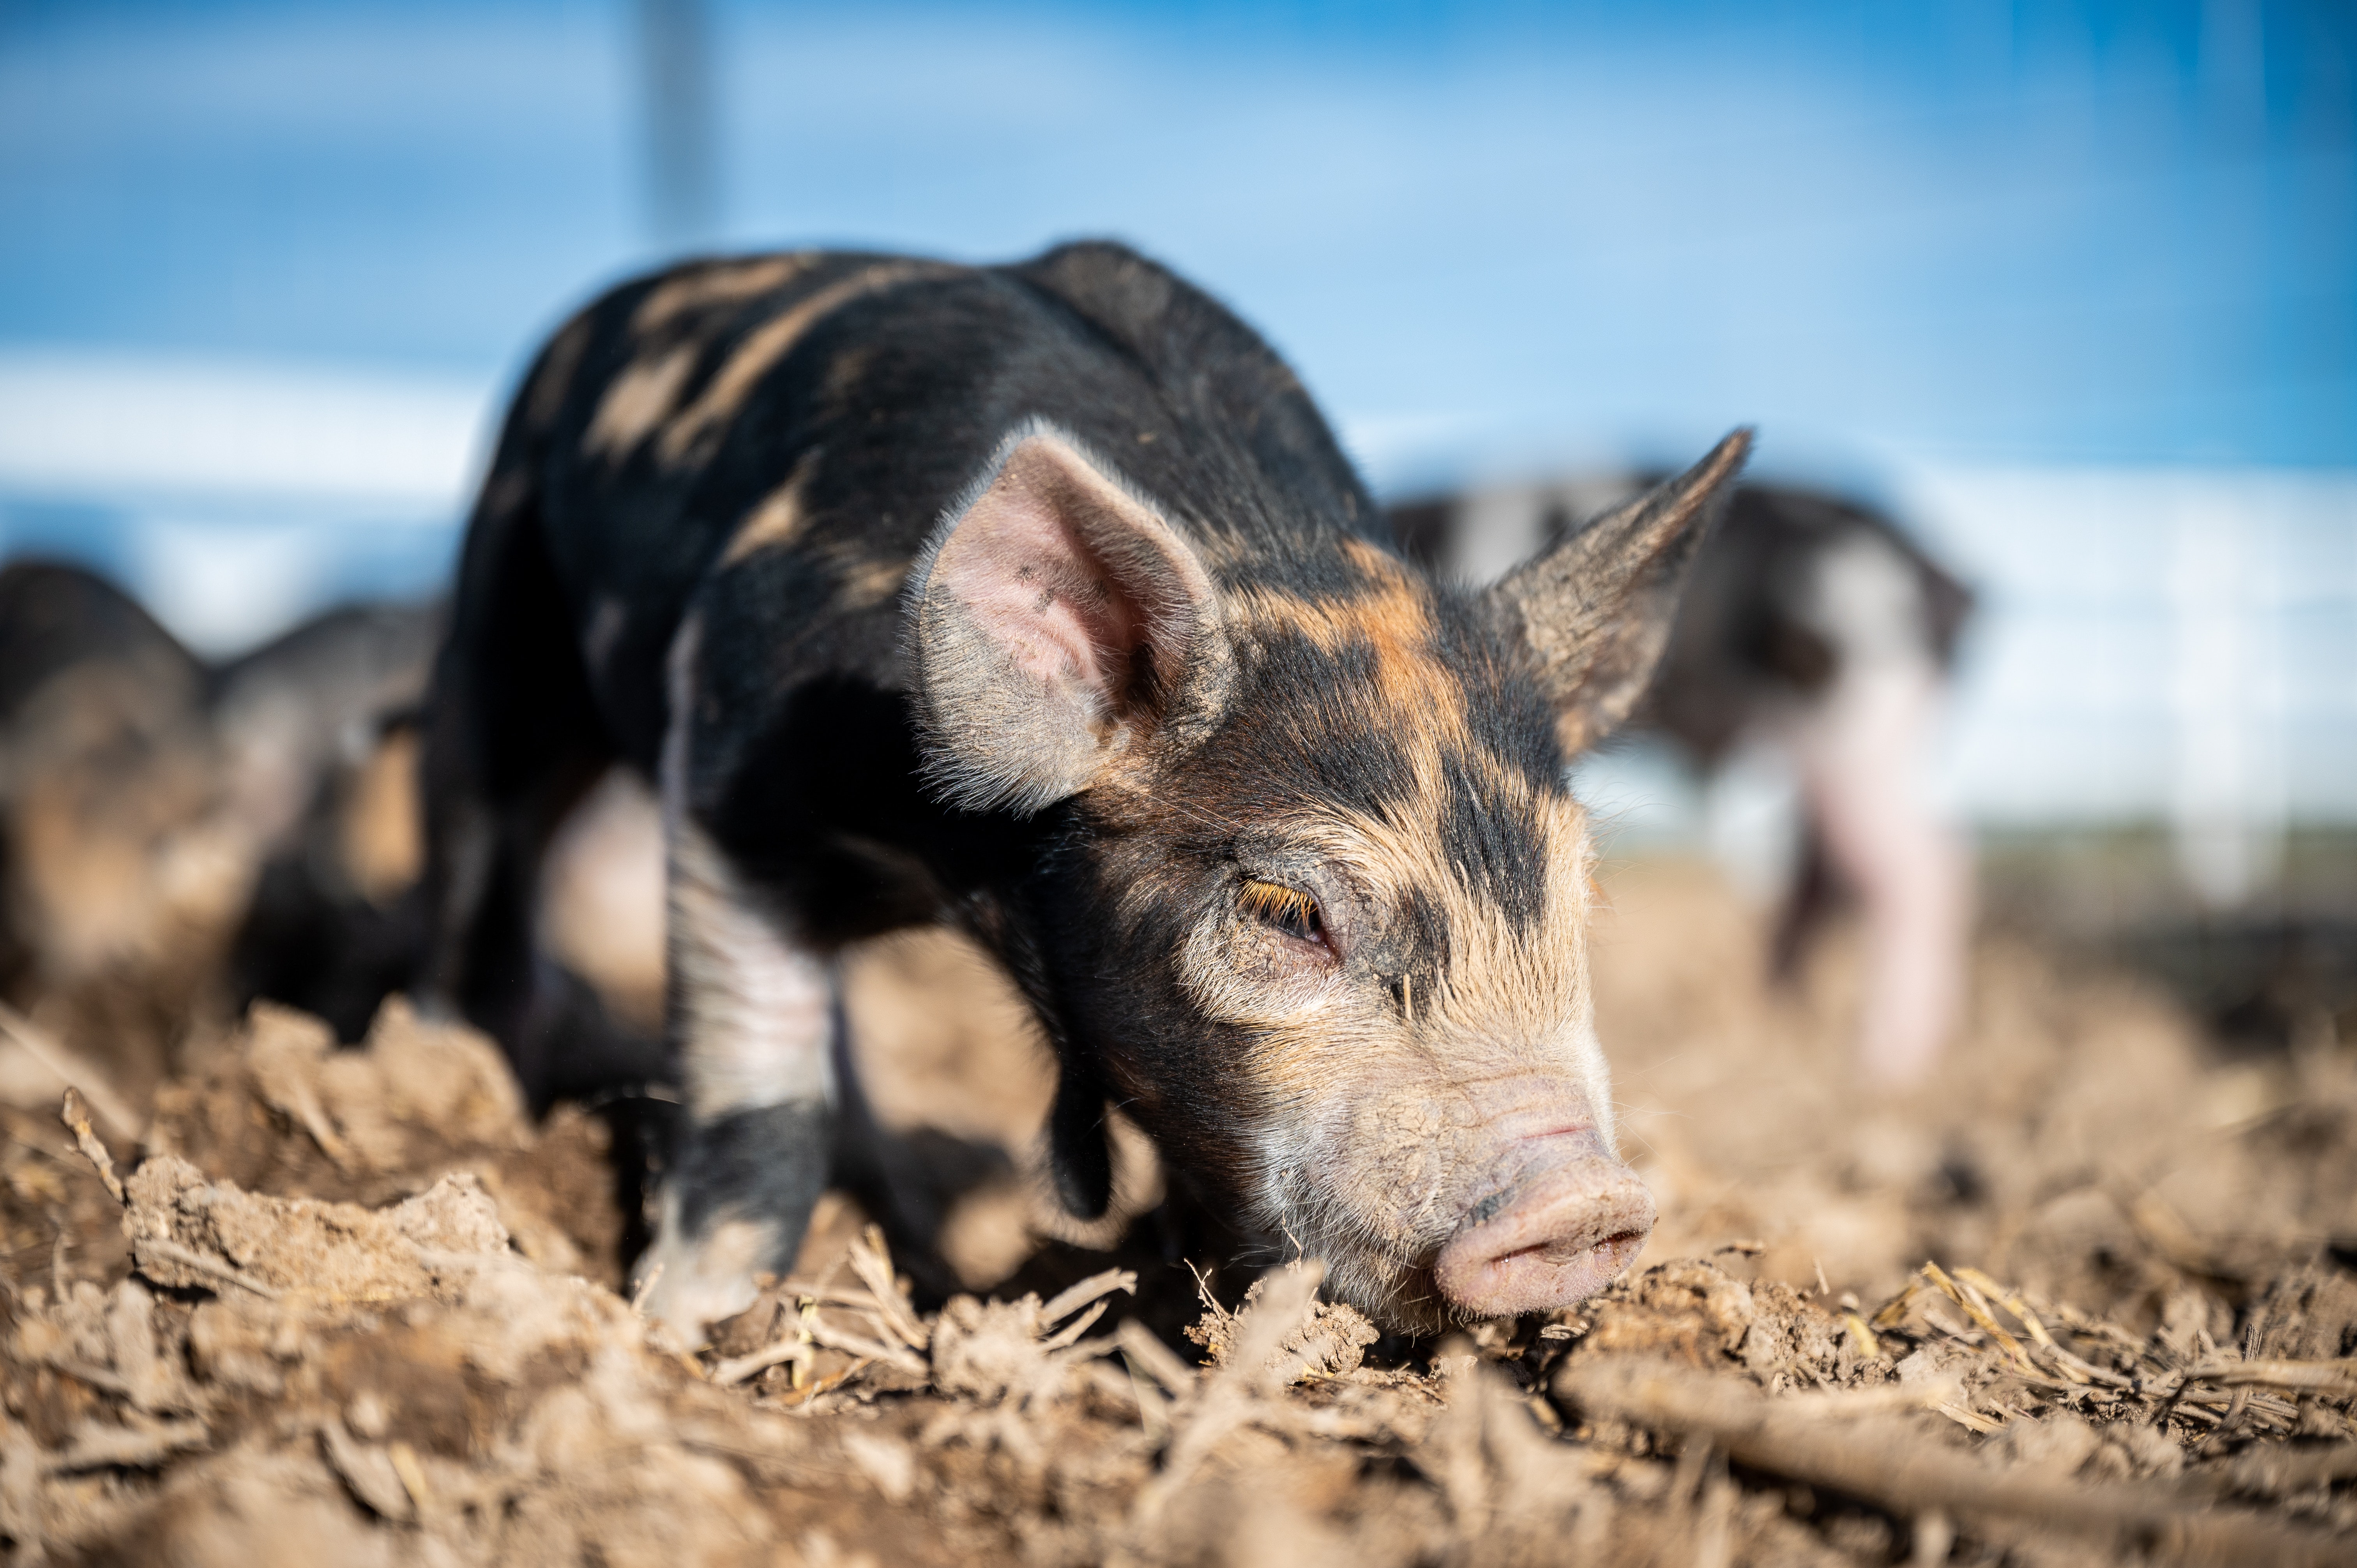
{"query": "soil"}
pixel 2091 1296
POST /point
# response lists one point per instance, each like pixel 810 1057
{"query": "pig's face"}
pixel 1359 910
pixel 1319 922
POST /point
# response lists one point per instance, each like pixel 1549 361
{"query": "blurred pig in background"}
pixel 178 839
pixel 318 740
pixel 108 860
pixel 1817 629
pixel 317 747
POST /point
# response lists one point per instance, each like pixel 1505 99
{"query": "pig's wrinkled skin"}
pixel 1038 599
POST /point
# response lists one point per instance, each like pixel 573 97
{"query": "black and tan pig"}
pixel 109 860
pixel 1039 600
pixel 177 838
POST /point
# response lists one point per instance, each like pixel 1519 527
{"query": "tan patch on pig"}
pixel 379 834
pixel 601 896
pixel 637 401
pixel 1392 617
pixel 867 583
pixel 724 283
pixel 777 520
pixel 772 342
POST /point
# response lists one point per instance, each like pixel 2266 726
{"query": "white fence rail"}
pixel 2155 643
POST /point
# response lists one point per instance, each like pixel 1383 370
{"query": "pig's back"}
pixel 57 618
pixel 773 439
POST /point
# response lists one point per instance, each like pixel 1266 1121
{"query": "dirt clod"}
pixel 356 1308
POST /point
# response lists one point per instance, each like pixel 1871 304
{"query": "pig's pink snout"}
pixel 1557 1241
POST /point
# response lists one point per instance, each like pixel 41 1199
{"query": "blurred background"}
pixel 2070 289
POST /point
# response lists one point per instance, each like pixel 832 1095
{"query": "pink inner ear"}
pixel 1034 586
pixel 1033 590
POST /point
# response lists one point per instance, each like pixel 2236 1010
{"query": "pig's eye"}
pixel 1287 909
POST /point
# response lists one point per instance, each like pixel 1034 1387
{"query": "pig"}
pixel 1038 599
pixel 317 735
pixel 105 772
pixel 318 702
pixel 1815 626
pixel 203 835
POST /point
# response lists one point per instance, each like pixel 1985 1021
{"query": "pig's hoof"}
pixel 689 1283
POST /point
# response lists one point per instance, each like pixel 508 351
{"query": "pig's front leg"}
pixel 752 1016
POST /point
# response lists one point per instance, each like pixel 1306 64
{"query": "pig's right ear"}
pixel 1056 620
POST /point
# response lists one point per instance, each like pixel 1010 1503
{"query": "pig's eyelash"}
pixel 1288 910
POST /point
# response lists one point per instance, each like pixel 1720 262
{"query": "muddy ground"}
pixel 2092 1296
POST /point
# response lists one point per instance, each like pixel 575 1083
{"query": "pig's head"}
pixel 1313 907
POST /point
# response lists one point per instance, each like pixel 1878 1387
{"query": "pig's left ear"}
pixel 1055 621
pixel 1595 611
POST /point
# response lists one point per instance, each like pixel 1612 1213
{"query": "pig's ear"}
pixel 1056 620
pixel 1595 610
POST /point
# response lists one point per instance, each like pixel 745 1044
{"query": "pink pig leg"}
pixel 1861 756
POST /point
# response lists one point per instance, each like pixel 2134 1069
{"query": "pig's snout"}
pixel 1556 1240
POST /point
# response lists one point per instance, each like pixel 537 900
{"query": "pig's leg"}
pixel 1862 761
pixel 752 1015
pixel 906 1186
pixel 513 739
pixel 1812 899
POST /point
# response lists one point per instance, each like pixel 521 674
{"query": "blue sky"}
pixel 2090 233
